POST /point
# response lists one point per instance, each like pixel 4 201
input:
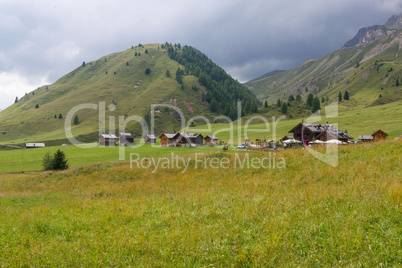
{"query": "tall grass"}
pixel 308 214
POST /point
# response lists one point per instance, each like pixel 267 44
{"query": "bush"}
pixel 56 162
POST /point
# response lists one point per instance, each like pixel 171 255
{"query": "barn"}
pixel 211 140
pixel 188 139
pixel 34 145
pixel 306 132
pixel 376 136
pixel 167 139
pixel 126 139
pixel 107 140
pixel 150 138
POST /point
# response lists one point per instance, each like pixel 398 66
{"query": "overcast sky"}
pixel 42 40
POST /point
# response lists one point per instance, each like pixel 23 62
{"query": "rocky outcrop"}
pixel 303 88
pixel 370 34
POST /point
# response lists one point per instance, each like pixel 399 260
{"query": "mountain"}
pixel 370 70
pixel 370 34
pixel 267 75
pixel 128 83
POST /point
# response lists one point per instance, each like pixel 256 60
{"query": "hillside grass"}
pixel 387 117
pixel 118 80
pixel 308 214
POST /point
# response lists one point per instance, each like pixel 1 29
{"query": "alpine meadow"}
pixel 155 156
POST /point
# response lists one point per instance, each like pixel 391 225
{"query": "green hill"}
pixel 128 82
pixel 370 73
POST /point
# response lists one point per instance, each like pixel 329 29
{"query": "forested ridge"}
pixel 223 92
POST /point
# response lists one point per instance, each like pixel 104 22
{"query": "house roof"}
pixel 286 138
pixel 212 137
pixel 363 137
pixel 379 131
pixel 319 128
pixel 126 135
pixel 34 144
pixel 151 137
pixel 168 135
pixel 187 136
pixel 109 136
pixel 336 134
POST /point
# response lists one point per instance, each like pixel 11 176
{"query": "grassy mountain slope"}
pixel 364 71
pixel 119 80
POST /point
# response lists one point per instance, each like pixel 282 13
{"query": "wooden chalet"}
pixel 188 139
pixel 376 136
pixel 34 145
pixel 150 138
pixel 334 134
pixel 126 139
pixel 167 139
pixel 107 140
pixel 379 135
pixel 211 140
pixel 306 132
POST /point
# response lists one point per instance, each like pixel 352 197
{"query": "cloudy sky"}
pixel 41 40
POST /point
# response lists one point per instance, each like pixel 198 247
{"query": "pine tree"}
pixel 298 97
pixel 291 98
pixel 284 108
pixel 167 73
pixel 56 162
pixel 36 106
pixel 178 76
pixel 83 64
pixel 322 100
pixel 76 120
pixel 340 96
pixel 60 116
pixel 254 107
pixel 59 160
pixel 214 106
pixel 16 100
pixel 247 107
pixel 346 96
pixel 266 104
pixel 316 104
pixel 278 103
pixel 397 82
pixel 309 100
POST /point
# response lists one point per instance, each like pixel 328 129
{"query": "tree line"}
pixel 223 92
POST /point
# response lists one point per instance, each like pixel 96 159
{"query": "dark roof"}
pixel 319 128
pixel 34 144
pixel 109 136
pixel 187 136
pixel 168 135
pixel 212 137
pixel 362 137
pixel 378 131
pixel 286 138
pixel 126 135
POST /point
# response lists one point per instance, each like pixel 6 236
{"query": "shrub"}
pixel 56 162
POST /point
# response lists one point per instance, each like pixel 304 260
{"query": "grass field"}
pixel 307 214
pixel 387 117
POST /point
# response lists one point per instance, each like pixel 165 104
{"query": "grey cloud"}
pixel 247 38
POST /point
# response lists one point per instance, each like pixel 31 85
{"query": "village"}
pixel 304 134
